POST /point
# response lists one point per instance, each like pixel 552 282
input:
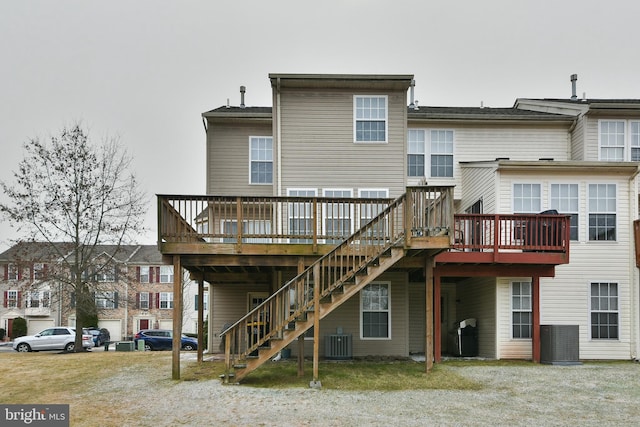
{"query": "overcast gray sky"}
pixel 146 70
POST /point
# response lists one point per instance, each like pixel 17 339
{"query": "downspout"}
pixel 279 140
pixel 634 283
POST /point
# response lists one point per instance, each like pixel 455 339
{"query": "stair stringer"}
pixel 337 299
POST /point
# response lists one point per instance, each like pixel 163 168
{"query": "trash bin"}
pixel 464 338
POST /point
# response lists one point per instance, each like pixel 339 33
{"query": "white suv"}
pixel 59 338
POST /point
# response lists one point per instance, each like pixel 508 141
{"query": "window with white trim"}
pixel 416 152
pixel 521 314
pixel 107 299
pixel 12 272
pixel 604 310
pixel 38 271
pixel 144 274
pixel 368 211
pixel 166 274
pixel 527 198
pixel 106 274
pixel 166 300
pixel 261 160
pixel 438 159
pixel 337 215
pixel 300 213
pixel 619 140
pixel 564 199
pixel 370 118
pixel 143 300
pixel 38 298
pixel 12 298
pixel 205 301
pixel 602 212
pixel 375 311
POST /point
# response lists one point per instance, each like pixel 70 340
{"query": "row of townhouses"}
pixel 134 292
pixel 345 220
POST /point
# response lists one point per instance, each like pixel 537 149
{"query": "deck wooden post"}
pixel 200 318
pixel 535 324
pixel 437 314
pixel 316 321
pixel 428 343
pixel 177 317
pixel 227 357
pixel 301 337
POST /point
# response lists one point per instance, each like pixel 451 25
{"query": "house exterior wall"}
pixel 476 298
pixel 578 139
pixel 478 183
pixel 318 148
pixel 228 158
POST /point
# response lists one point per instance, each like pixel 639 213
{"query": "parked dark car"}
pixel 100 336
pixel 162 339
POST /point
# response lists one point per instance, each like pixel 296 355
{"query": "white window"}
pixel 11 299
pixel 300 213
pixel 106 274
pixel 106 300
pixel 602 212
pixel 261 160
pixel 564 199
pixel 416 152
pixel 370 210
pixel 370 118
pixel 527 198
pixel 166 274
pixel 438 159
pixel 521 316
pixel 144 274
pixel 166 300
pixel 254 228
pixel 12 272
pixel 38 271
pixel 205 302
pixel 143 300
pixel 619 140
pixel 604 310
pixel 375 311
pixel 39 298
pixel 337 215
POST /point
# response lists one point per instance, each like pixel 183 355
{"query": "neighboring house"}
pixel 450 193
pixel 133 291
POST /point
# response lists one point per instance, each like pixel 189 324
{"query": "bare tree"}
pixel 76 197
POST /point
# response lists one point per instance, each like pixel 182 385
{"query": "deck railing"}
pixel 494 233
pixel 310 220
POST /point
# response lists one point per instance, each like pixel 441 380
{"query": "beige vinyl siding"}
pixel 508 347
pixel 565 298
pixel 478 182
pixel 592 150
pixel 318 144
pixel 229 303
pixel 476 298
pixel 578 140
pixel 417 304
pixel 483 143
pixel 228 159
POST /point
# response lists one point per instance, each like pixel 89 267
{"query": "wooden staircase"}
pixel 322 287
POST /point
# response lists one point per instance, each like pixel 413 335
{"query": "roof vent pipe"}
pixel 574 79
pixel 412 105
pixel 242 91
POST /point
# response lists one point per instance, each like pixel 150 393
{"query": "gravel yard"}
pixel 593 394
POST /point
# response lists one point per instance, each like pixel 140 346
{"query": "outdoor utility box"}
pixel 125 346
pixel 559 344
pixel 544 233
pixel 338 346
pixel 140 345
pixel 464 338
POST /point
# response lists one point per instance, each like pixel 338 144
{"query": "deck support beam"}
pixel 177 317
pixel 535 323
pixel 428 342
pixel 316 321
pixel 200 318
pixel 301 337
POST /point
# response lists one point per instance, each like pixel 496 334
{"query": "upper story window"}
pixel 143 300
pixel 11 298
pixel 564 199
pixel 604 310
pixel 619 140
pixel 106 274
pixel 370 118
pixel 144 274
pixel 430 150
pixel 106 299
pixel 205 302
pixel 12 272
pixel 527 198
pixel 38 298
pixel 602 212
pixel 166 274
pixel 261 160
pixel 166 300
pixel 38 271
